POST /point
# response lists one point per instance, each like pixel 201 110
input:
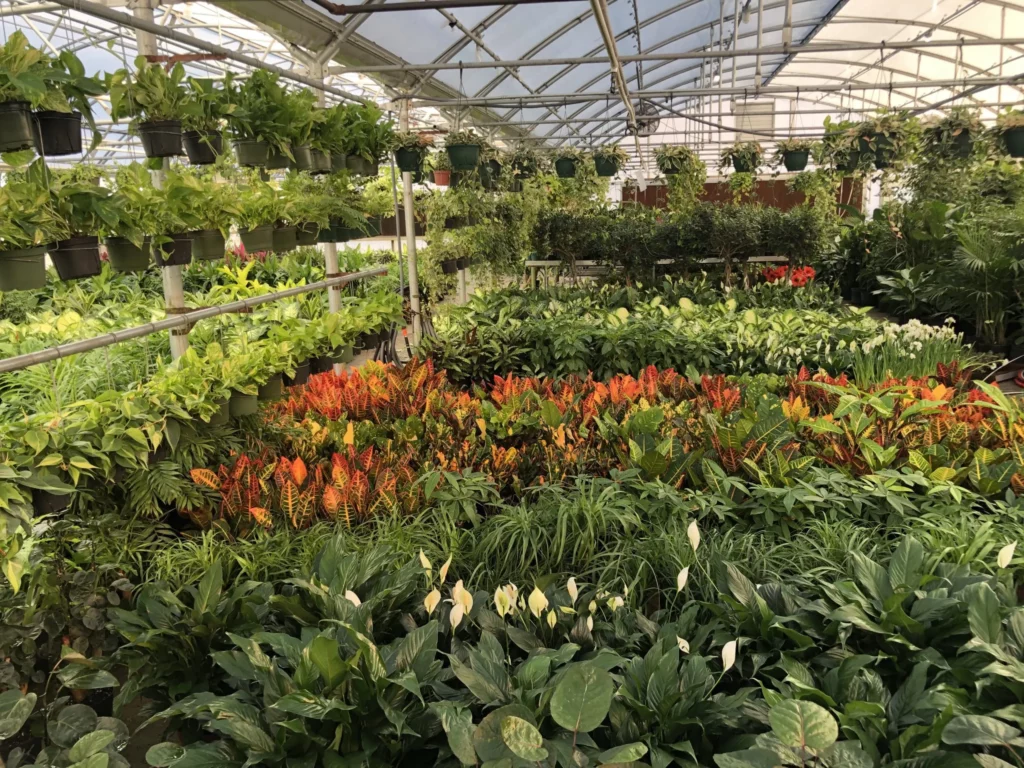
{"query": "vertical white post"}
pixel 462 297
pixel 410 234
pixel 735 40
pixel 174 292
pixel 760 30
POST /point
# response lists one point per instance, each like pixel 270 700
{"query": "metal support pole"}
pixel 410 234
pixel 462 287
pixel 735 37
pixel 760 34
pixel 787 25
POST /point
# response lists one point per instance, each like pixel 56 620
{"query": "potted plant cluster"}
pixel 744 156
pixel 299 117
pixel 29 223
pixel 793 154
pixel 608 159
pixel 179 201
pixel 156 101
pixel 675 158
pixel 954 134
pixel 259 210
pixel 90 212
pixel 214 206
pixel 137 201
pixel 209 106
pixel 566 161
pixel 463 149
pixel 256 119
pixel 1010 127
pixel 410 148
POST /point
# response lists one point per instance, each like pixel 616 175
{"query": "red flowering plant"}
pixel 800 276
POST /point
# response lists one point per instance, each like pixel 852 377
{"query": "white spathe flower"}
pixel 590 623
pixel 537 602
pixel 425 562
pixel 684 646
pixel 615 603
pixel 570 587
pixel 431 601
pixel 593 606
pixel 1006 555
pixel 353 598
pixel 462 596
pixel 681 579
pixel 502 604
pixel 728 656
pixel 444 568
pixel 693 534
pixel 455 617
pixel 552 619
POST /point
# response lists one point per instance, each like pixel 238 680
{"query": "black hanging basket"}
pixel 59 133
pixel 307 233
pixel 565 167
pixel 126 256
pixel 16 129
pixel 321 163
pixel 161 138
pixel 23 269
pixel 408 160
pixel 284 239
pixel 208 245
pixel 462 262
pixel 450 266
pixel 176 253
pixel 795 160
pixel 252 153
pixel 77 257
pixel 606 166
pixel 203 147
pixel 257 239
pixel 277 159
pixel 303 158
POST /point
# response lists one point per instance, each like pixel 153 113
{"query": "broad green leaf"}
pixel 523 739
pixel 325 653
pixel 748 758
pixel 210 589
pixel 803 724
pixel 458 725
pixel 487 739
pixel 71 724
pixel 983 612
pixel 979 730
pixel 90 744
pixel 582 698
pixel 15 708
pixel 627 753
pixel 164 754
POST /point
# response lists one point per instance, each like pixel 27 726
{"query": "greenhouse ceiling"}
pixel 555 71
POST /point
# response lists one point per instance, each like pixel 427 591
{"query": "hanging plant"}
pixel 209 105
pixel 793 154
pixel 23 86
pixel 744 156
pixel 953 135
pixel 463 149
pixel 89 210
pixel 257 119
pixel 566 161
pixel 156 102
pixel 609 159
pixel 890 138
pixel 28 223
pixel 68 101
pixel 524 161
pixel 410 147
pixel 673 159
pixel 1010 127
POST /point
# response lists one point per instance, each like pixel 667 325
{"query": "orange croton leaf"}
pixel 299 472
pixel 261 515
pixel 205 477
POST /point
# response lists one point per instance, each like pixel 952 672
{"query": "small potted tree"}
pixel 1010 127
pixel 156 102
pixel 28 223
pixel 255 121
pixel 90 212
pixel 953 134
pixel 744 156
pixel 566 161
pixel 792 154
pixel 463 149
pixel 22 86
pixel 59 121
pixel 260 208
pixel 208 107
pixel 609 158
pixel 410 148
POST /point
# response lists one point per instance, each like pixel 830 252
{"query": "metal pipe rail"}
pixel 19 362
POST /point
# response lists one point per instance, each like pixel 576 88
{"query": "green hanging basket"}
pixel 257 239
pixel 303 158
pixel 464 157
pixel 285 239
pixel 408 160
pixel 252 153
pixel 606 166
pixel 565 167
pixel 126 256
pixel 1013 140
pixel 23 269
pixel 208 245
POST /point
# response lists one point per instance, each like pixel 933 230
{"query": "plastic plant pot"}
pixel 450 266
pixel 23 269
pixel 487 180
pixel 161 138
pixel 464 157
pixel 208 245
pixel 344 234
pixel 221 415
pixel 442 178
pixel 462 263
pixel 284 239
pixel 606 166
pixel 795 160
pixel 277 159
pixel 303 158
pixel 565 167
pixel 408 160
pixel 524 170
pixel 307 233
pixel 963 144
pixel 46 503
pixel 741 165
pixel 59 133
pixel 77 257
pixel 16 129
pixel 302 371
pixel 326 235
pixel 1013 140
pixel 372 168
pixel 252 153
pixel 272 390
pixel 175 253
pixel 257 239
pixel 126 256
pixel 203 147
pixel 242 404
pixel 321 162
pixel 338 162
pixel 357 165
pixel 456 222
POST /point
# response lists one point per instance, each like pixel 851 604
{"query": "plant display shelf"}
pixel 590 268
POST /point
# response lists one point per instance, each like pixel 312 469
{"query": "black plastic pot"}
pixel 258 239
pixel 963 144
pixel 16 129
pixel 272 390
pixel 77 257
pixel 221 415
pixel 357 165
pixel 1013 140
pixel 464 157
pixel 203 147
pixel 456 222
pixel 302 371
pixel 208 245
pixel 46 503
pixel 175 253
pixel 344 234
pixel 242 404
pixel 276 159
pixel 742 165
pixel 606 166
pixel 450 266
pixel 408 160
pixel 126 256
pixel 161 138
pixel 59 133
pixel 462 263
pixel 565 167
pixel 487 180
pixel 326 235
pixel 284 239
pixel 306 234
pixel 338 162
pixel 303 158
pixel 795 160
pixel 321 162
pixel 252 153
pixel 23 269
pixel 524 170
